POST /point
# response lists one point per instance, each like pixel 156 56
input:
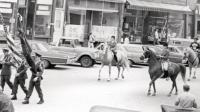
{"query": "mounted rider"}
pixel 195 45
pixel 165 59
pixel 113 46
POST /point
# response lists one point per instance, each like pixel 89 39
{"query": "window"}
pixel 198 1
pixel 77 17
pixel 110 19
pixel 59 3
pixel 97 18
pixel 112 5
pixel 77 2
pixel 198 27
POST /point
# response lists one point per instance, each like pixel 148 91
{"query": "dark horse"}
pixel 155 71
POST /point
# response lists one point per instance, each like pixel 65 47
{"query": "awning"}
pixel 152 6
pixel 116 1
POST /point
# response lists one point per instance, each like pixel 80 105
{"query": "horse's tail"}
pixel 183 72
pixel 127 63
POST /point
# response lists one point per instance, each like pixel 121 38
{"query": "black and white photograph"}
pixel 99 55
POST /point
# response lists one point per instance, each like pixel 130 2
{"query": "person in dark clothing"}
pixel 6 104
pixel 20 78
pixel 35 80
pixel 113 46
pixel 165 59
pixel 195 45
pixel 6 69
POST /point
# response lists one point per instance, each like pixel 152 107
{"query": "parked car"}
pixel 135 51
pixel 50 57
pixel 85 56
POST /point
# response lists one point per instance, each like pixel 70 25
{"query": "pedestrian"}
pixel 35 80
pixel 186 99
pixel 156 37
pixel 20 78
pixel 6 104
pixel 6 69
pixel 91 41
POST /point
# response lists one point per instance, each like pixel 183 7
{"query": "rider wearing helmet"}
pixel 113 44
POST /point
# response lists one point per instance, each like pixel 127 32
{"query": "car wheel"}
pixel 86 61
pixel 0 66
pixel 52 66
pixel 46 63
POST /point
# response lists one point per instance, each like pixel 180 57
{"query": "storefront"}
pixel 8 11
pixel 142 18
pixel 101 17
pixel 39 19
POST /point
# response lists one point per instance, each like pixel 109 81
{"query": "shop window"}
pixel 110 19
pixel 198 1
pixel 112 5
pixel 77 17
pixel 42 26
pixel 59 3
pixel 97 18
pixel 198 27
pixel 77 2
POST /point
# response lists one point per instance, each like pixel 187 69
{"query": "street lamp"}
pixel 126 5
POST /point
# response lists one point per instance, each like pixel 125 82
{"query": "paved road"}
pixel 76 89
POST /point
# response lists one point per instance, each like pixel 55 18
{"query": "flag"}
pixel 26 49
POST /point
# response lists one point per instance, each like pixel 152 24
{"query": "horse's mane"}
pixel 190 50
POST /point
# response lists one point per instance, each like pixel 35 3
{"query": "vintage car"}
pixel 135 51
pixel 85 56
pixel 50 57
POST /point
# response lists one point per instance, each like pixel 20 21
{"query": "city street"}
pixel 76 89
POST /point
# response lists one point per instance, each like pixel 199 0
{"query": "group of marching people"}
pixel 21 76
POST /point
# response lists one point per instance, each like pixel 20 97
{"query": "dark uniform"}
pixel 165 59
pixel 5 103
pixel 6 71
pixel 20 80
pixel 36 84
pixel 113 46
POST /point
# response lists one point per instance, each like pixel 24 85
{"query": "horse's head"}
pixel 187 51
pixel 146 54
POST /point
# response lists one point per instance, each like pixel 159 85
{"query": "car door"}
pixel 174 55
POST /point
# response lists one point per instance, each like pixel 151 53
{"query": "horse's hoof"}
pixel 98 79
pixel 116 78
pixel 148 94
pixel 194 77
pixel 176 93
pixel 154 94
pixel 188 79
pixel 122 77
pixel 108 80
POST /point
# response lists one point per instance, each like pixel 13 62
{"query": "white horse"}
pixel 193 61
pixel 107 59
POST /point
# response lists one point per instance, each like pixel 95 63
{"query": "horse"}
pixel 193 61
pixel 156 71
pixel 107 59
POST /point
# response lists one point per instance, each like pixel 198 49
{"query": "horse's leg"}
pixel 99 77
pixel 154 87
pixel 118 68
pixel 150 84
pixel 190 72
pixel 173 84
pixel 195 69
pixel 176 93
pixel 109 73
pixel 122 74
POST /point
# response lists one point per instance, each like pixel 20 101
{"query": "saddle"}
pixel 165 68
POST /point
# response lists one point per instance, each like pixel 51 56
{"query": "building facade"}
pixel 172 19
pixel 77 18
